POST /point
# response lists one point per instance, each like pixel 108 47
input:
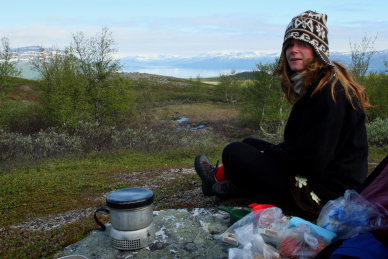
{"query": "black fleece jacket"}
pixel 325 141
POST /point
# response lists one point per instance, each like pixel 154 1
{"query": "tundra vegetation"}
pixel 68 137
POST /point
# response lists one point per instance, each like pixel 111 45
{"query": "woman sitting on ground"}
pixel 325 147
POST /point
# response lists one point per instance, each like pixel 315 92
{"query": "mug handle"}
pixel 97 220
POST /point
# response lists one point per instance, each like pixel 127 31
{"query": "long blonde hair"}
pixel 318 70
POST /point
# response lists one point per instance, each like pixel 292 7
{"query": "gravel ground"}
pixel 55 221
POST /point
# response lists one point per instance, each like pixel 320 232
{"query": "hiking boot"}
pixel 207 173
pixel 227 189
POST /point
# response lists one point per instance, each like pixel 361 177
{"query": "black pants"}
pixel 250 169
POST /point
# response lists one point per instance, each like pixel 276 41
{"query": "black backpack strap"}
pixel 376 172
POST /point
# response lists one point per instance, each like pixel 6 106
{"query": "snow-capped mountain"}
pixel 213 61
pixel 25 54
pixel 204 65
pixel 26 49
pixel 239 61
pixel 376 64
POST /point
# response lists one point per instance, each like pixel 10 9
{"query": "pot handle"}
pixel 97 220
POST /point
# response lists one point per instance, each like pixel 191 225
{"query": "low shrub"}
pixel 94 137
pixel 44 144
pixel 91 137
pixel 51 143
pixel 378 132
pixel 162 137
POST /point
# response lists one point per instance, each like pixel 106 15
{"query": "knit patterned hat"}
pixel 311 28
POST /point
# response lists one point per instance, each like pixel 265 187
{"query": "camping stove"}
pixel 131 240
pixel 131 212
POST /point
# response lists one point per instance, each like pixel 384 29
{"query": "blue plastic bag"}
pixel 351 214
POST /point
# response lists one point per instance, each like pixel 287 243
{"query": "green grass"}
pixel 377 154
pixel 61 185
pixel 21 243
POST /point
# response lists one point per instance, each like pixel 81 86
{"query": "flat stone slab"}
pixel 179 233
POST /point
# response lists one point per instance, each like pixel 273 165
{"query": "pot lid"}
pixel 130 198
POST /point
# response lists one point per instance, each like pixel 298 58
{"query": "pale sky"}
pixel 187 27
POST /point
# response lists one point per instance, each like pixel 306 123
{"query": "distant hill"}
pixel 28 90
pixel 248 75
pixel 157 80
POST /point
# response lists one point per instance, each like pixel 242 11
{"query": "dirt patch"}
pixel 196 112
pixel 211 82
pixel 153 179
pixel 222 120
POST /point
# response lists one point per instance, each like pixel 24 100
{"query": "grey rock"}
pixel 179 233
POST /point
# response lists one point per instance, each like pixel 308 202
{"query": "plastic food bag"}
pixel 350 215
pixel 256 248
pixel 244 225
pixel 252 233
pixel 268 222
pixel 327 235
pixel 269 218
pixel 301 242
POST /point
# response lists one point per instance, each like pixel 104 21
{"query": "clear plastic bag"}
pixel 269 222
pixel 255 248
pixel 253 232
pixel 350 215
pixel 301 242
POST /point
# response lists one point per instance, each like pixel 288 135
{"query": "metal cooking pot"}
pixel 129 209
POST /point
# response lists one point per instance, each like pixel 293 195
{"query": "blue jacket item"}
pixel 363 246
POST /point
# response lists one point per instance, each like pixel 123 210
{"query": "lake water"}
pixel 182 73
pixel 29 73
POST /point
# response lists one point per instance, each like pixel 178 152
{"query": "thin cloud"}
pixel 186 35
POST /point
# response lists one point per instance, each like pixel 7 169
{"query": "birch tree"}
pixel 361 54
pixel 7 64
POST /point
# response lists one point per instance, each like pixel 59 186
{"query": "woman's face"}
pixel 299 54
